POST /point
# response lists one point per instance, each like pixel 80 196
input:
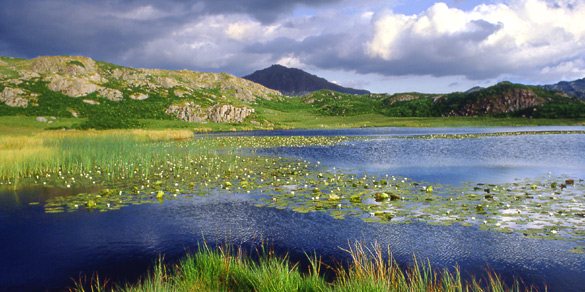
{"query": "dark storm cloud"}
pixel 105 29
pixel 263 10
pixel 240 37
pixel 73 27
pixel 441 56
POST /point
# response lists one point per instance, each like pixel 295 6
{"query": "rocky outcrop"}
pixel 139 96
pixel 16 97
pixel 402 97
pixel 225 113
pixel 72 65
pixel 167 82
pixel 111 94
pixel 228 113
pixel 78 86
pixel 71 86
pixel 188 111
pixel 510 101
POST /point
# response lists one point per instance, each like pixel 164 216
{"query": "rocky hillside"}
pixel 81 87
pixel 296 82
pixel 575 88
pixel 503 99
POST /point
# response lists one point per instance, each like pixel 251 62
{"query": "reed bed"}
pixel 228 268
pixel 78 151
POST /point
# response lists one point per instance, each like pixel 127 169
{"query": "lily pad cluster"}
pixel 544 208
pixel 481 135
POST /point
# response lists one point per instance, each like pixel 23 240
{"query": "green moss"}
pixel 77 63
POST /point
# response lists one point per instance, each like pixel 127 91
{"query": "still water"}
pixel 43 252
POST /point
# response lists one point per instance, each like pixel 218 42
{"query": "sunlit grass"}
pixel 76 151
pixel 228 268
pixel 304 119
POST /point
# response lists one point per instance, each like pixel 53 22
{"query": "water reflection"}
pixel 45 250
pixel 41 251
pixel 452 161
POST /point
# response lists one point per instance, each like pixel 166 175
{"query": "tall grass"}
pixel 119 152
pixel 230 269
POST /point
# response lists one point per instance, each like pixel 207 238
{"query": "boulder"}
pixel 111 94
pixel 228 113
pixel 15 97
pixel 73 86
pixel 139 96
pixel 188 111
pixel 181 92
pixel 15 81
pixel 167 82
pixel 91 101
pixel 27 75
pixel 191 112
pixel 81 86
pixel 41 119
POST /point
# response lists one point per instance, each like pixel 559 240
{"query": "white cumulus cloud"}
pixel 520 37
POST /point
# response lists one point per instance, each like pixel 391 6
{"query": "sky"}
pixel 382 46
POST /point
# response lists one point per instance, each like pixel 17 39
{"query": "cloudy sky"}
pixel 383 46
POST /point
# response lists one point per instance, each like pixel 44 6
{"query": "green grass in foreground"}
pixel 230 269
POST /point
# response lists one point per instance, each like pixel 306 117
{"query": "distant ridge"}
pixel 296 82
pixel 575 88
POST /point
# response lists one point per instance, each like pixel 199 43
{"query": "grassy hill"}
pixel 504 100
pixel 94 94
pixel 109 96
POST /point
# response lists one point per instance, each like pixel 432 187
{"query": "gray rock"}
pixel 91 101
pixel 139 96
pixel 191 112
pixel 63 64
pixel 167 82
pixel 111 94
pixel 41 119
pixel 15 97
pixel 72 86
pixel 228 113
pixel 188 111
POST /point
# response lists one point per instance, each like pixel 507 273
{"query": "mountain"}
pixel 575 88
pixel 296 82
pixel 66 86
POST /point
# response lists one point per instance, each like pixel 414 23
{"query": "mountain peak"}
pixel 296 82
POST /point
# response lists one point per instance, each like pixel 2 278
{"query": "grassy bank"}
pixel 17 125
pixel 231 269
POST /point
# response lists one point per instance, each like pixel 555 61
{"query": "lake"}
pixel 41 251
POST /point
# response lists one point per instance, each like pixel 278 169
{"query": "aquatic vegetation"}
pixel 113 171
pixel 531 207
pixel 228 268
pixel 480 135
